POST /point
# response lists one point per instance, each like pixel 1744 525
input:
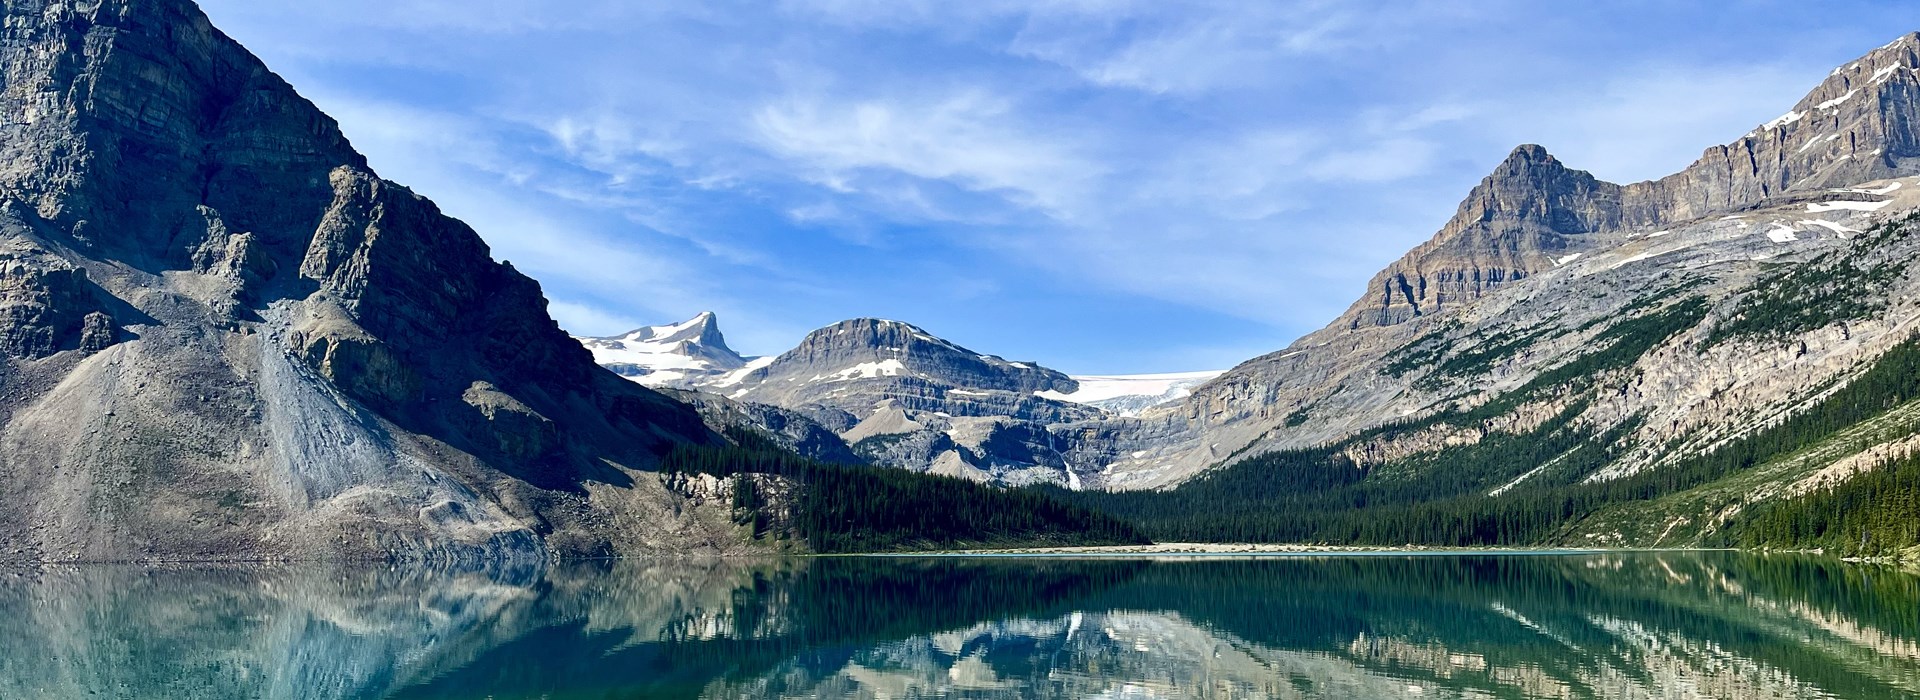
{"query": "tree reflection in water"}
pixel 1611 625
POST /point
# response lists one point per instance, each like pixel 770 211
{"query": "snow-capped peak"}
pixel 695 329
pixel 680 355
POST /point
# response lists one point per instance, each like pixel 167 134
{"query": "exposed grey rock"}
pixel 856 364
pixel 1541 257
pixel 903 397
pixel 1514 223
pixel 790 429
pixel 1857 126
pixel 225 337
pixel 47 305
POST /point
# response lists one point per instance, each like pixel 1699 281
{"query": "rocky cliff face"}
pixel 1541 259
pixel 1530 214
pixel 1519 220
pixel 904 397
pixel 895 394
pixel 224 336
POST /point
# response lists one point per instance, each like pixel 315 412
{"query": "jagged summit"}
pixel 1515 222
pixel 682 355
pixel 1878 67
pixel 905 397
pixel 703 328
pixel 1862 123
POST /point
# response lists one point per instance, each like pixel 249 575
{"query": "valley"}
pixel 1565 353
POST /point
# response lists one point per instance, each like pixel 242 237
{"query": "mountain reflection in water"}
pixel 1668 625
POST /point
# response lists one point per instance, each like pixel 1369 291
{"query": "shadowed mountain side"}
pixel 224 337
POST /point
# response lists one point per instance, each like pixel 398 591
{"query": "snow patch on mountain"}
pixel 867 370
pixel 680 355
pixel 1880 191
pixel 1831 226
pixel 1817 207
pixel 1129 394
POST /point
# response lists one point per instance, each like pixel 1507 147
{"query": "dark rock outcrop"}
pixel 225 337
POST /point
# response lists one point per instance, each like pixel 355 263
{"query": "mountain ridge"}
pixel 1526 213
pixel 1530 217
pixel 1463 316
pixel 225 337
pixel 903 397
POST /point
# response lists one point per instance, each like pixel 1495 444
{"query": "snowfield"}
pixel 1128 394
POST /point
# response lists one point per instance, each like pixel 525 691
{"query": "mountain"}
pixel 694 355
pixel 682 356
pixel 1855 127
pixel 1655 361
pixel 1537 250
pixel 1558 337
pixel 899 395
pixel 858 365
pixel 223 336
pixel 903 397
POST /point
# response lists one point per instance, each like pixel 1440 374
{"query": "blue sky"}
pixel 1102 186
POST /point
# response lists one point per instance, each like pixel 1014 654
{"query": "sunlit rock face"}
pixel 893 394
pixel 1639 625
pixel 1541 257
pixel 223 336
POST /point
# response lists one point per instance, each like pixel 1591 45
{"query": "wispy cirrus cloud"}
pixel 969 138
pixel 1226 171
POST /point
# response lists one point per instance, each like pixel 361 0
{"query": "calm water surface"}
pixel 1685 625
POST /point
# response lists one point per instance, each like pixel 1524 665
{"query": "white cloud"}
pixel 612 145
pixel 1258 160
pixel 1170 48
pixel 969 138
pixel 461 163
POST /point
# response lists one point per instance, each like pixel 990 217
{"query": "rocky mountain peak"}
pixel 1861 123
pixel 867 337
pixel 1532 185
pixel 681 355
pixel 880 342
pixel 702 330
pixel 1893 63
pixel 1517 221
pixel 192 253
pixel 1527 154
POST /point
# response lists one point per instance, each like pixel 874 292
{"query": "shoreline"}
pixel 1211 549
pixel 1169 549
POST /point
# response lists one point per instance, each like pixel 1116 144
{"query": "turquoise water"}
pixel 1653 625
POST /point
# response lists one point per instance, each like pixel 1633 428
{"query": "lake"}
pixel 1639 625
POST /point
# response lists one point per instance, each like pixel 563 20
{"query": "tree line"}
pixel 846 508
